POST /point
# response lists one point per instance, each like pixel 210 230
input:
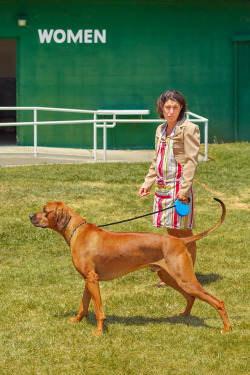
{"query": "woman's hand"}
pixel 182 198
pixel 143 192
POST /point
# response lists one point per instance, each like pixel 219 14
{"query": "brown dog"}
pixel 99 254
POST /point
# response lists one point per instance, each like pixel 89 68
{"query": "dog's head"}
pixel 54 216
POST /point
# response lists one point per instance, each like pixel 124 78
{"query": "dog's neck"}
pixel 73 232
pixel 71 227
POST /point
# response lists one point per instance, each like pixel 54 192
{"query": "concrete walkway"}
pixel 21 155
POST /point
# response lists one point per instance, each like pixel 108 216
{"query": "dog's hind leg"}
pixel 83 310
pixel 180 267
pixel 167 279
pixel 196 290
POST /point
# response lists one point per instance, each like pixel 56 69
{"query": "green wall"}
pixel 151 46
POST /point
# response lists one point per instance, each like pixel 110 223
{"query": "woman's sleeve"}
pixel 151 176
pixel 191 149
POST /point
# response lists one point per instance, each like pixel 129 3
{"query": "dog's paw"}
pixel 184 313
pixel 226 330
pixel 97 333
pixel 75 320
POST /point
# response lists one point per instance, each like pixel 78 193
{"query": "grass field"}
pixel 40 288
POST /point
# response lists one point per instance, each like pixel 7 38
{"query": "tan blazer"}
pixel 186 148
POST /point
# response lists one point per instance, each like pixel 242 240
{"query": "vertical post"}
pixel 104 141
pixel 35 132
pixel 206 140
pixel 95 136
pixel 188 116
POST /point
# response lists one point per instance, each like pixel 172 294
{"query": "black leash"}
pixel 134 218
pixel 123 221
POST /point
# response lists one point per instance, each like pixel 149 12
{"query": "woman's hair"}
pixel 172 95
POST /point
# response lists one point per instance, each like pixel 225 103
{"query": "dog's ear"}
pixel 63 217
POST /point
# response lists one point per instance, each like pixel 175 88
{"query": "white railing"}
pixel 196 118
pixel 106 124
pixel 97 122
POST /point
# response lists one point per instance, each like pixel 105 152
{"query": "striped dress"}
pixel 169 177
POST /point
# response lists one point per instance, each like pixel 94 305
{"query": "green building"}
pixel 122 54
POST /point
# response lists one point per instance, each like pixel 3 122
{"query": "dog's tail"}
pixel 197 237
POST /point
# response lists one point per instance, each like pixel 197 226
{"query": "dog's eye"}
pixel 44 211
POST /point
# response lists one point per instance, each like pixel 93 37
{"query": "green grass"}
pixel 40 288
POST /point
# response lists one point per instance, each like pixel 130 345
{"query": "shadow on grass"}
pixel 208 278
pixel 139 320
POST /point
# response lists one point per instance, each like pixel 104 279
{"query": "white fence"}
pixel 98 122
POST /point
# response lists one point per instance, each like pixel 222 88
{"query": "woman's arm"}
pixel 191 149
pixel 149 179
pixel 151 176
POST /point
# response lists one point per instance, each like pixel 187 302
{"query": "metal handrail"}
pixel 198 118
pixel 98 123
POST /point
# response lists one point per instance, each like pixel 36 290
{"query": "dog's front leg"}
pixel 83 311
pixel 92 284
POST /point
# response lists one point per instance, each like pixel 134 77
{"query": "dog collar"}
pixel 85 222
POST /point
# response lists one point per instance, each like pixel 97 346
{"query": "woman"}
pixel 173 168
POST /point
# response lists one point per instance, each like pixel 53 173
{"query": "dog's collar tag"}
pixel 85 222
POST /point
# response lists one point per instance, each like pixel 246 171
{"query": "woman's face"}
pixel 171 111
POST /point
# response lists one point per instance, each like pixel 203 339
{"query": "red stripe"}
pixel 163 196
pixel 175 219
pixel 192 202
pixel 160 213
pixel 176 192
pixel 158 150
pixel 161 160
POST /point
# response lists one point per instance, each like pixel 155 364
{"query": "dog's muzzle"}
pixel 35 222
pixel 33 219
